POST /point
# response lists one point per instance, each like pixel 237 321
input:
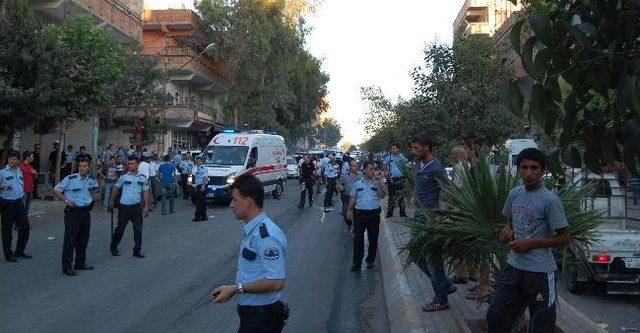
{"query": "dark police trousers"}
pixel 331 189
pixel 518 289
pixel 262 319
pixel 201 204
pixel 128 213
pixel 184 181
pixel 396 185
pixel 306 187
pixel 77 226
pixel 368 220
pixel 13 214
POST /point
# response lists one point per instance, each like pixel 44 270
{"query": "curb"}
pixel 401 308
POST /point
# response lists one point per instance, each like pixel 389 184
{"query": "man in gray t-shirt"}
pixel 536 223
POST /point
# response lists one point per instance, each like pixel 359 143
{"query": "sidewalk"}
pixel 406 290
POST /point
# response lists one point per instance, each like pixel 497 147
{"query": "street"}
pixel 184 262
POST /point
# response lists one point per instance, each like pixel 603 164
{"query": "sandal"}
pixel 433 306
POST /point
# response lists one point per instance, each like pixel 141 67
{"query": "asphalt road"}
pixel 184 262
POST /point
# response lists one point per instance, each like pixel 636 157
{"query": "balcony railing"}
pixel 196 62
pixel 462 15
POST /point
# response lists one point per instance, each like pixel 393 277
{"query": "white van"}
pixel 514 147
pixel 231 154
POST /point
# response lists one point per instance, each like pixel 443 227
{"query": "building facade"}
pixel 483 17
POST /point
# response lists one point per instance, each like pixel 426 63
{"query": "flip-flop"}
pixel 432 307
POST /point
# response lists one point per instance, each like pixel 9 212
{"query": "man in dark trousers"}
pixel 200 182
pixel 75 191
pixel 364 210
pixel 307 177
pixel 37 149
pixel 12 209
pixel 331 174
pixel 134 205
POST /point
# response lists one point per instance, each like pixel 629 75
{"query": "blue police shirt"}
pixel 261 255
pixel 186 167
pixel 330 170
pixel 426 188
pixel 200 175
pixel 132 186
pixel 77 189
pixel 394 162
pixel 345 168
pixel 365 193
pixel 176 160
pixel 12 178
pixel 167 170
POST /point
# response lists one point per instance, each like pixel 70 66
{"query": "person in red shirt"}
pixel 29 175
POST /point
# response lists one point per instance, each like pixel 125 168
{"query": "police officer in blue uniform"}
pixel 260 276
pixel 364 210
pixel 200 182
pixel 75 191
pixel 186 167
pixel 134 204
pixel 393 163
pixel 12 209
pixel 331 174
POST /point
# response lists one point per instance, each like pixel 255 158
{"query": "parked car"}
pixel 292 167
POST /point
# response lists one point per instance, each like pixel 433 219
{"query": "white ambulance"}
pixel 231 154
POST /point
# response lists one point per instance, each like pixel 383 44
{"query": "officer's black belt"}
pixel 368 211
pixel 395 179
pixel 7 201
pixel 130 206
pixel 249 309
pixel 78 209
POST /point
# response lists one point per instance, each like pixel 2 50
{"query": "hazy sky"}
pixel 368 42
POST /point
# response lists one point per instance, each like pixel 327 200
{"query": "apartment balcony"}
pixel 185 65
pixel 190 114
pixel 469 9
pixel 114 14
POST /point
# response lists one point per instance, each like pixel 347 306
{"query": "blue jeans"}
pixel 108 187
pixel 167 194
pixel 432 265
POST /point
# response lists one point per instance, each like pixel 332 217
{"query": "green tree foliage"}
pixel 583 84
pixel 275 83
pixel 456 94
pixel 331 132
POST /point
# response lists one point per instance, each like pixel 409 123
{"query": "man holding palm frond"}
pixel 536 223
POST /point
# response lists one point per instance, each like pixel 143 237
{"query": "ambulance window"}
pixel 253 158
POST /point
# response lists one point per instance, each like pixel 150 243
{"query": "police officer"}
pixel 307 178
pixel 186 167
pixel 12 209
pixel 364 210
pixel 260 276
pixel 134 204
pixel 200 191
pixel 75 191
pixel 331 174
pixel 347 180
pixel 393 163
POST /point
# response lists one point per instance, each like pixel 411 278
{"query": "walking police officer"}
pixel 134 203
pixel 186 167
pixel 306 174
pixel 200 191
pixel 75 191
pixel 366 193
pixel 331 175
pixel 260 276
pixel 12 209
pixel 393 164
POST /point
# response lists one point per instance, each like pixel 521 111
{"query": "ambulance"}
pixel 231 154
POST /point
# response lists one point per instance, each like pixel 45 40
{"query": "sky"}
pixel 368 42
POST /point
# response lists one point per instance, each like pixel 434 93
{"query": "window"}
pixel 253 158
pixel 225 155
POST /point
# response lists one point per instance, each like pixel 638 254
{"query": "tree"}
pixel 275 83
pixel 583 84
pixel 331 132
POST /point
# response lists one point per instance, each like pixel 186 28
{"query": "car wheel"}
pixel 571 282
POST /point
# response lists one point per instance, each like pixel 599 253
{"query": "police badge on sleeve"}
pixel 271 253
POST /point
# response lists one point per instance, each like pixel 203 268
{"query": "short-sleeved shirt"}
pixel 176 160
pixel 153 169
pixel 534 214
pixel 200 175
pixel 144 168
pixel 331 170
pixel 426 188
pixel 13 178
pixel 78 189
pixel 345 168
pixel 261 255
pixel 306 170
pixel 27 177
pixel 166 171
pixel 186 166
pixel 365 194
pixel 110 172
pixel 132 186
pixel 347 179
pixel 69 157
pixel 394 163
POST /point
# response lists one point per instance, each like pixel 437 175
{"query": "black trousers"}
pixel 395 186
pixel 306 186
pixel 126 213
pixel 201 204
pixel 345 204
pixel 331 189
pixel 13 214
pixel 369 221
pixel 518 289
pixel 77 226
pixel 262 319
pixel 184 178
